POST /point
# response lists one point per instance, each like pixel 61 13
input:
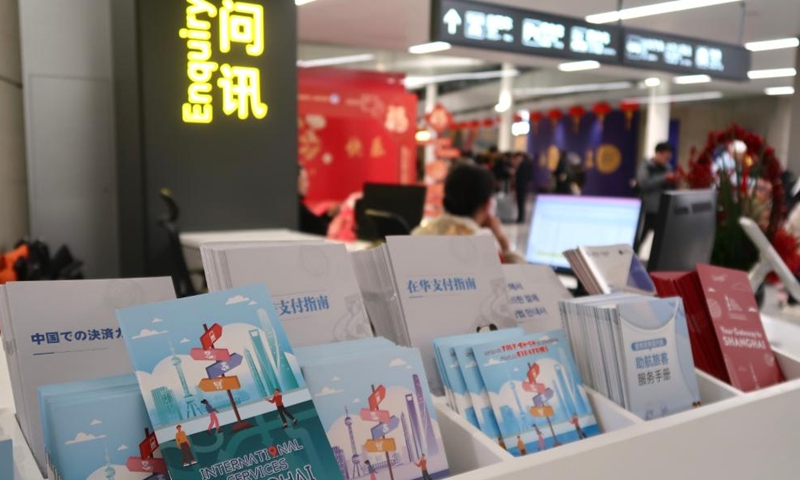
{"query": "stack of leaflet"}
pixel 417 289
pixel 312 284
pixel 609 269
pixel 223 390
pixel 64 331
pixel 534 292
pixel 99 429
pixel 635 350
pixel 728 338
pixel 376 408
pixel 523 391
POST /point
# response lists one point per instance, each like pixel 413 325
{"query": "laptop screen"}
pixel 563 222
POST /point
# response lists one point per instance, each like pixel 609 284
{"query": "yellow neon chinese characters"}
pixel 241 22
pixel 241 91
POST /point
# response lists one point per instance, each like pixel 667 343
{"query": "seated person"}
pixel 468 201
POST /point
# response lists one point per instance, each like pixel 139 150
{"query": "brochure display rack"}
pixel 733 435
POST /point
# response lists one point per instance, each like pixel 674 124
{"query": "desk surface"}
pixel 194 240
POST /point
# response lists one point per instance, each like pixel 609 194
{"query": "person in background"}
pixel 523 176
pixel 310 222
pixel 212 414
pixel 423 466
pixel 502 170
pixel 468 195
pixel 183 444
pixel 654 177
pixel 277 400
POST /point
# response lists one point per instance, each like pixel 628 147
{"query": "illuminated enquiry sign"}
pixel 241 25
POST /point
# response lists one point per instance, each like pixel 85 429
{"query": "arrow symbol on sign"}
pixel 453 21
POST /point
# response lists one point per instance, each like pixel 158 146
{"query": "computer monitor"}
pixel 684 231
pixel 405 201
pixel 564 222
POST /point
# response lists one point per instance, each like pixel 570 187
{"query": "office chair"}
pixel 387 223
pixel 181 276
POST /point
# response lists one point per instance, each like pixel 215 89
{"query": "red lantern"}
pixel 629 108
pixel 517 118
pixel 536 117
pixel 601 109
pixel 488 122
pixel 474 124
pixel 555 116
pixel 577 112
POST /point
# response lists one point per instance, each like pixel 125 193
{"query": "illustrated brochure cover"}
pixel 223 389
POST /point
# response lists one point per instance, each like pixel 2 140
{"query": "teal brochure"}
pixel 223 389
pixel 378 413
pixel 536 392
pixel 88 438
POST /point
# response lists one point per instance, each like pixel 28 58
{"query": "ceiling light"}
pixel 416 82
pixel 653 9
pixel 303 2
pixel 326 62
pixel 684 97
pixel 691 79
pixel 652 82
pixel 778 44
pixel 429 48
pixel 569 89
pixel 771 73
pixel 579 66
pixel 519 129
pixel 779 91
pixel 423 136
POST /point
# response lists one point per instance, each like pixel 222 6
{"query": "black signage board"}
pixel 657 51
pixel 480 25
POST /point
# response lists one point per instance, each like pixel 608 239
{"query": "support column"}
pixel 657 129
pixel 506 104
pixel 431 97
pixel 793 156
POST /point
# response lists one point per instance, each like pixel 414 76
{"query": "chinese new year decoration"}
pixel 576 113
pixel 555 116
pixel 629 108
pixel 601 109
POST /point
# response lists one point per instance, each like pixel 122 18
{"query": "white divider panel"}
pixel 789 364
pixel 748 436
pixel 467 447
pixel 713 390
pixel 610 416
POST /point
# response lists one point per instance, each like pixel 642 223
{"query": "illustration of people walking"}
pixel 574 421
pixel 423 465
pixel 212 413
pixel 521 446
pixel 186 449
pixel 373 475
pixel 542 446
pixel 277 400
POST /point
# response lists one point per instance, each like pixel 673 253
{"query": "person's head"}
pixel 178 427
pixel 204 402
pixel 519 158
pixel 277 390
pixel 664 153
pixel 468 192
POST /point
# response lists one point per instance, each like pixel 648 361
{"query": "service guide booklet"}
pixel 223 389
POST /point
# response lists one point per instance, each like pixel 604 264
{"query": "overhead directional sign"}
pixel 476 24
pixel 221 368
pixel 482 25
pixel 685 55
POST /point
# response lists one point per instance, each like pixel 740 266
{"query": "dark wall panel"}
pixel 231 173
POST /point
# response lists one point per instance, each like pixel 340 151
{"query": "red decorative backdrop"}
pixel 354 127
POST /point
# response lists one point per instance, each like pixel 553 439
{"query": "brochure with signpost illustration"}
pixel 536 392
pixel 223 389
pixel 99 429
pixel 378 413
